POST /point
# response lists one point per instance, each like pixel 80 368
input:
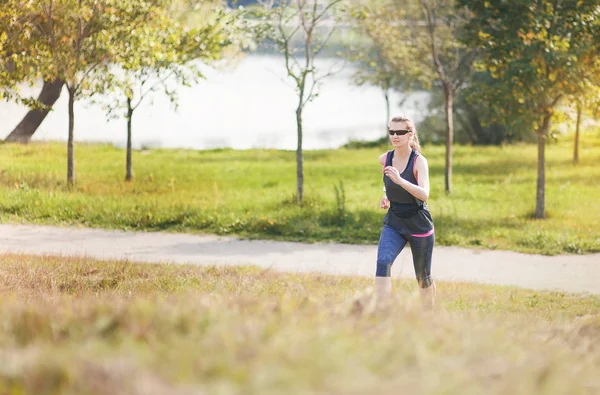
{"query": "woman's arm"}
pixel 384 202
pixel 420 191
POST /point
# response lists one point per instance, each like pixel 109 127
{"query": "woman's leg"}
pixel 422 251
pixel 390 245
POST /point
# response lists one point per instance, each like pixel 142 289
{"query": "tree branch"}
pixel 286 48
pixel 78 85
pixel 431 24
pixel 322 44
pixel 153 87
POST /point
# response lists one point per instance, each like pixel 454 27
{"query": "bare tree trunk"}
pixel 449 98
pixel 386 93
pixel 129 169
pixel 576 149
pixel 23 132
pixel 70 161
pixel 299 160
pixel 430 15
pixel 540 199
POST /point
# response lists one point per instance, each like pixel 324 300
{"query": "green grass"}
pixel 252 193
pixel 76 326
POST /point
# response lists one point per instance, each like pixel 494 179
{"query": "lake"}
pixel 247 105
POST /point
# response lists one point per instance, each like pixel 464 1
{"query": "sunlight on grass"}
pixel 77 326
pixel 252 193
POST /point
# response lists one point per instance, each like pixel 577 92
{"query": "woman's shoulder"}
pixel 420 159
pixel 382 158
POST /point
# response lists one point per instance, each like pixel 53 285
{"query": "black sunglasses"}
pixel 398 132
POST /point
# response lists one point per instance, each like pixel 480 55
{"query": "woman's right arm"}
pixel 384 202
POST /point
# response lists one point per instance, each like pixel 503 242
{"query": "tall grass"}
pixel 74 326
pixel 252 193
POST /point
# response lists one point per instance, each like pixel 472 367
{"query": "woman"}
pixel 406 180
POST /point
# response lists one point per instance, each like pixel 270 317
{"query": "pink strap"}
pixel 386 158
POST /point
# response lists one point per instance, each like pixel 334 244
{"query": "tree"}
pixel 408 29
pixel 585 97
pixel 586 103
pixel 373 66
pixel 10 24
pixel 301 29
pixel 74 41
pixel 165 53
pixel 24 131
pixel 15 22
pixel 450 58
pixel 536 49
pixel 374 70
pixel 18 21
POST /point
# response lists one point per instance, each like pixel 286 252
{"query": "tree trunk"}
pixel 576 149
pixel 449 99
pixel 23 132
pixel 129 167
pixel 70 161
pixel 386 93
pixel 540 199
pixel 299 172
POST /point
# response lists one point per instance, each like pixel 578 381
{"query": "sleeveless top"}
pixel 407 214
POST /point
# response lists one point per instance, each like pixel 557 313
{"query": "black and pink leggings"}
pixel 391 243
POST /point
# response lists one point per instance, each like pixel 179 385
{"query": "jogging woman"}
pixel 406 182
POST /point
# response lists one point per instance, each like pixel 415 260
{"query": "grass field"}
pixel 252 193
pixel 75 326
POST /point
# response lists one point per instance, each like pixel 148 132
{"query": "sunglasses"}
pixel 398 132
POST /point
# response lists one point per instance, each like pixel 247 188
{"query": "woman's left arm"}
pixel 420 191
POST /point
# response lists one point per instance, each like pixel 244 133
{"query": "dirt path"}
pixel 572 273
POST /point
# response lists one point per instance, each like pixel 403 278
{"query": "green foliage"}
pixel 130 46
pixel 472 120
pixel 537 51
pixel 397 39
pixel 375 66
pixel 382 143
pixel 15 23
pixel 168 48
pixel 75 41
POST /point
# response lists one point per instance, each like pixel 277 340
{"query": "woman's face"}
pixel 399 140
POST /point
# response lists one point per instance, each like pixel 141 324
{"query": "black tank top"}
pixel 399 198
pixel 407 213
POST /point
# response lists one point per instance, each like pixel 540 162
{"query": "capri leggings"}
pixel 391 243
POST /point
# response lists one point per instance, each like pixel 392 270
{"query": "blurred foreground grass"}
pixel 76 326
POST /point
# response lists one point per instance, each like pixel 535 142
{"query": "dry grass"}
pixel 78 326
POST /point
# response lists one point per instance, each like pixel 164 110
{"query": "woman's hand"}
pixel 384 203
pixel 393 174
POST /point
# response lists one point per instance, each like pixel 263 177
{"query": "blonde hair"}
pixel 414 139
